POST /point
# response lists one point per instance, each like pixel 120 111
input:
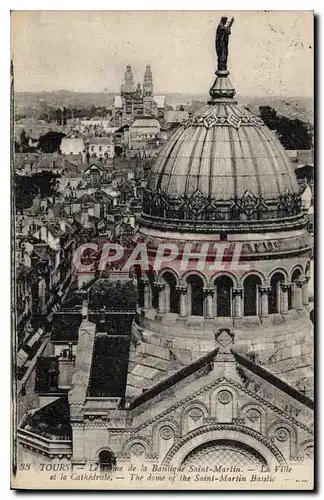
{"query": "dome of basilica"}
pixel 223 164
pixel 222 181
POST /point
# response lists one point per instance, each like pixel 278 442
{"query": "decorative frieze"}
pixel 195 414
pixel 198 206
pixel 224 397
pixel 214 116
pixel 166 433
pixel 282 434
pixel 252 415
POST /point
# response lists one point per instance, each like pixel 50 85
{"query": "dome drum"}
pixel 197 208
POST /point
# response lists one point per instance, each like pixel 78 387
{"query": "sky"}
pixel 270 52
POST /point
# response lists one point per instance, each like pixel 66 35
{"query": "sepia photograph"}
pixel 162 250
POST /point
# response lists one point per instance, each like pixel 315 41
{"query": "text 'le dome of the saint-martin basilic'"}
pixel 223 165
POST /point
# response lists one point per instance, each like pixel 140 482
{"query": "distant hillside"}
pixel 292 107
pixel 31 103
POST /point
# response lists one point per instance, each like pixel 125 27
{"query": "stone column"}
pixel 161 305
pixel 284 298
pixel 166 292
pixel 265 290
pixel 237 294
pixel 305 293
pixel 298 294
pixel 146 288
pixel 183 313
pixel 209 292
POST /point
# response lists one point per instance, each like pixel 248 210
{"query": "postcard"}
pixel 162 174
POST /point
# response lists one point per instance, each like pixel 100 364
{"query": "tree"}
pixel 47 183
pixel 292 133
pixel 50 142
pixel 113 295
pixel 24 141
pixel 25 191
pixel 27 187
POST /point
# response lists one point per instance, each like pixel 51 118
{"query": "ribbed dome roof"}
pixel 222 152
pixel 223 165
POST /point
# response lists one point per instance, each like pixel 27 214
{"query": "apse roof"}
pixel 108 373
pixel 241 360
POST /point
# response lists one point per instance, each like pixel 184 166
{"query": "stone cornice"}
pixel 228 226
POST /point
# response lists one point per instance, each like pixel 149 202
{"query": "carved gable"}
pixel 231 397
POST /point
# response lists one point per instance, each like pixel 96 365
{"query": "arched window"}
pixel 224 286
pixel 171 293
pixel 107 461
pixel 275 294
pixel 251 295
pixel 196 295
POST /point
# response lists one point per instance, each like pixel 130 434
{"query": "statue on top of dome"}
pixel 221 42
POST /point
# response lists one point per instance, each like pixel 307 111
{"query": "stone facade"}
pixel 224 397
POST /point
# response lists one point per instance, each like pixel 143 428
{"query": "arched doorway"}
pixel 171 293
pixel 275 294
pixel 223 285
pixel 195 295
pixel 224 452
pixel 107 460
pixel 251 295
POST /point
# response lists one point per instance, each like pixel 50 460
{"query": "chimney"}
pixel 63 225
pixel 84 312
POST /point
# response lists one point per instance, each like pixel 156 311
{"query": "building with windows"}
pixel 100 147
pixel 143 130
pixel 72 145
pixel 136 102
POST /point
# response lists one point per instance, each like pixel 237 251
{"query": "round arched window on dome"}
pixel 107 460
pixel 195 295
pixel 171 293
pixel 275 294
pixel 223 285
pixel 251 295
